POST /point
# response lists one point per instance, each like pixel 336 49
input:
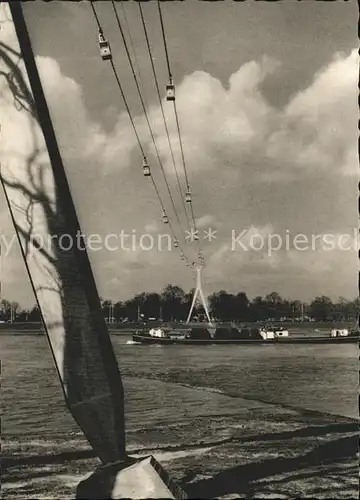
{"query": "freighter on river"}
pixel 211 334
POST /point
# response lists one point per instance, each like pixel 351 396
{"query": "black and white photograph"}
pixel 179 239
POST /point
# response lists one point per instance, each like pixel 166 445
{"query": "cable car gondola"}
pixel 146 168
pixel 104 47
pixel 106 54
pixel 170 91
pixel 165 218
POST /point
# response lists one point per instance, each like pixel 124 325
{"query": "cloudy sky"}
pixel 267 104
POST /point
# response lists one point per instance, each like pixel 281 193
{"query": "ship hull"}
pixel 147 339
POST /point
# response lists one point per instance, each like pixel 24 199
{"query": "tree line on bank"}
pixel 173 304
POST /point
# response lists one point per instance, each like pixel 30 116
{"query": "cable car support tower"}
pixel 199 294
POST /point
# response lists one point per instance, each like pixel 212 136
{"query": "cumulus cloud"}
pixel 224 129
pixel 215 122
pixel 218 125
pixel 236 128
pixel 79 136
pixel 318 128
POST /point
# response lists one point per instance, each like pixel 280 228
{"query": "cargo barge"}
pixel 245 336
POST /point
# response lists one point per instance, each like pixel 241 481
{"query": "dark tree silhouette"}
pixel 322 308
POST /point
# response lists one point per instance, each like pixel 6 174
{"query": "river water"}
pixel 177 397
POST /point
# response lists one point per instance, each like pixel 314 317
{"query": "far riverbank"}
pixel 308 328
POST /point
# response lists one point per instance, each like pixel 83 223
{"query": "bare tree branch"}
pixel 23 91
pixel 38 247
